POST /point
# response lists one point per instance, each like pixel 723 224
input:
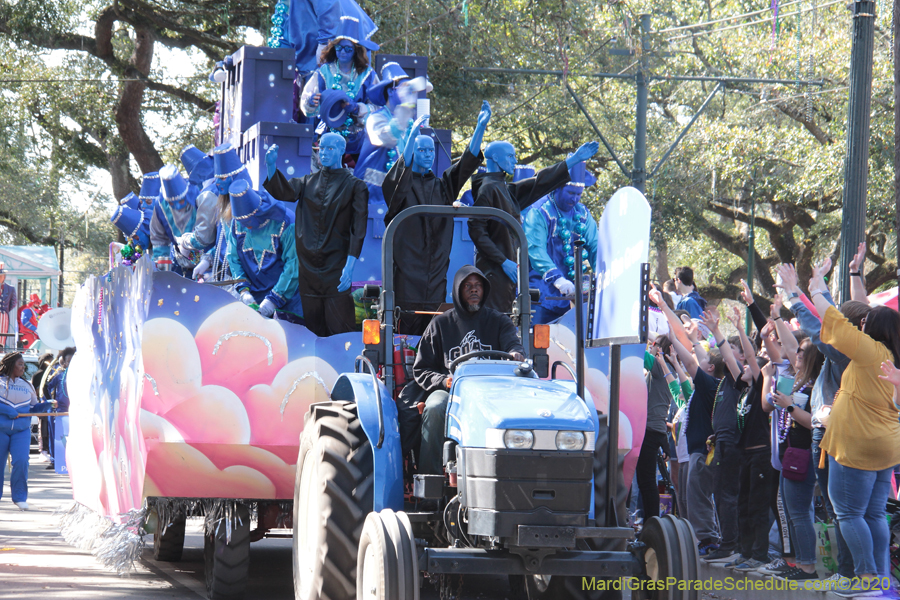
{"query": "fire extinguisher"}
pixel 404 356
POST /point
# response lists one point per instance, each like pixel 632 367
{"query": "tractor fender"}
pixel 387 460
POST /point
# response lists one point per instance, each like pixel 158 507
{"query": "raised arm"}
pixel 759 319
pixel 746 346
pixel 857 269
pixel 711 320
pixel 690 363
pixel 818 287
pixel 788 341
pixel 483 117
pixel 768 373
pixel 675 324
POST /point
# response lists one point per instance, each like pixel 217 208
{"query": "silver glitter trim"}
pixel 116 545
pixel 153 383
pixel 308 374
pixel 227 175
pixel 248 334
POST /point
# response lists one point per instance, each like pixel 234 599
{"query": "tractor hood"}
pixel 504 402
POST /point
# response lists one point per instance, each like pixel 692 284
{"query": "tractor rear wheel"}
pixel 332 496
pixel 227 560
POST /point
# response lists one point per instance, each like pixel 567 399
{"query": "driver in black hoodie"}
pixel 467 327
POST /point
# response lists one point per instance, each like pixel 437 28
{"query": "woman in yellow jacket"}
pixel 863 436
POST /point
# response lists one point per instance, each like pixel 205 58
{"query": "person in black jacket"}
pixel 332 213
pixel 496 248
pixel 423 245
pixel 469 326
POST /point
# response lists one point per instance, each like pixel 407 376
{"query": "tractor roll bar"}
pixel 386 312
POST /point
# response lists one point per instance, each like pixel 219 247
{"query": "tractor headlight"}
pixel 518 439
pixel 569 440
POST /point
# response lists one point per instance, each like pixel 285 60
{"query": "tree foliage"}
pixel 774 151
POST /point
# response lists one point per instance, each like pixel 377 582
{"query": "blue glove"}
pixel 583 153
pixel 271 159
pixel 8 411
pixel 347 274
pixel 352 107
pixel 511 269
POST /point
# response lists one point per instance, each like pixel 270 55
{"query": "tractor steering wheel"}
pixel 476 354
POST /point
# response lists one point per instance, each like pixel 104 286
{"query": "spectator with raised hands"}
pixel 659 398
pixel 789 343
pixel 755 475
pixel 827 384
pixel 695 478
pixel 862 440
pixel 726 459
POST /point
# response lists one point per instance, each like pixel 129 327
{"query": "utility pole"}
pixel 895 54
pixel 856 164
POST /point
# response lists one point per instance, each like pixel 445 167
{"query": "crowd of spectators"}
pixel 753 425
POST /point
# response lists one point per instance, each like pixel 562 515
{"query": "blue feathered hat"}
pixel 228 164
pixel 131 201
pixel 149 189
pixel 391 73
pixel 175 187
pixel 349 29
pixel 199 165
pixel 251 208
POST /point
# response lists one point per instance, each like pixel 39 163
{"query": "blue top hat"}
pixel 149 189
pixel 391 73
pixel 128 219
pixel 332 109
pixel 251 208
pixel 199 166
pixel 580 177
pixel 228 164
pixel 523 172
pixel 175 187
pixel 349 29
pixel 131 201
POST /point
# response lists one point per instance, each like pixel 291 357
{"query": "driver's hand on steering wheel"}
pixel 449 381
pixel 518 356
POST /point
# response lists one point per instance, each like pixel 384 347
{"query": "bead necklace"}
pixel 743 408
pixel 565 235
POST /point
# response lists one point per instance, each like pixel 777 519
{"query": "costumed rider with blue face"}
pixel 552 229
pixel 134 224
pixel 395 94
pixel 341 84
pixel 497 248
pixel 150 188
pixel 173 216
pixel 202 239
pixel 331 218
pixel 423 244
pixel 261 249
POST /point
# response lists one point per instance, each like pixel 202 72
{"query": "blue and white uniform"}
pixel 17 397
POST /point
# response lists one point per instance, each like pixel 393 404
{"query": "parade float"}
pixel 186 403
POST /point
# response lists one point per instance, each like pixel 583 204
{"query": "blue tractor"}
pixel 524 492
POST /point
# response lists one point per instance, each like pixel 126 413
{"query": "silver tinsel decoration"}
pixel 116 546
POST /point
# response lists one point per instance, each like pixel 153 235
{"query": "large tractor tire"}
pixel 545 587
pixel 670 550
pixel 332 497
pixel 168 541
pixel 227 561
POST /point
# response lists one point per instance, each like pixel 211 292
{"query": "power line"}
pixel 757 22
pixel 723 19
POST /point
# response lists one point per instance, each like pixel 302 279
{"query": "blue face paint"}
pixel 331 150
pixel 568 197
pixel 345 50
pixel 222 185
pixel 423 156
pixel 501 157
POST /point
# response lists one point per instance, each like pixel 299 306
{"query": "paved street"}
pixel 37 564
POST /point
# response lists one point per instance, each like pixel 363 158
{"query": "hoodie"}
pixel 458 331
pixel 693 304
pixel 17 397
